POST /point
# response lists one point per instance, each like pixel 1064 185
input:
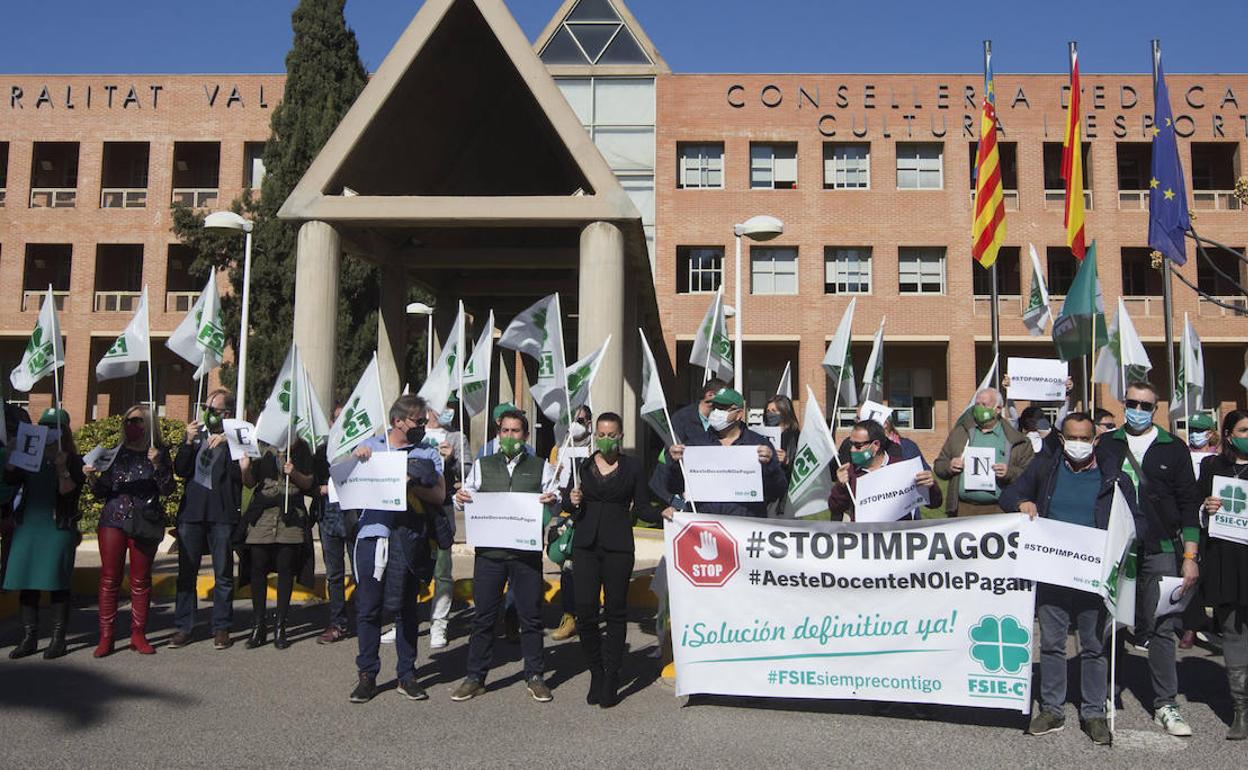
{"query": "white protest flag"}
pixel 1190 388
pixel 581 377
pixel 873 375
pixel 654 403
pixel 989 378
pixel 200 338
pixel 785 388
pixel 362 416
pixel 1123 355
pixel 839 364
pixel 129 350
pixel 292 401
pixel 310 422
pixel 1243 379
pixel 443 378
pixel 1037 314
pixel 810 483
pixel 538 333
pixel 1117 586
pixel 44 351
pixel 712 349
pixel 477 372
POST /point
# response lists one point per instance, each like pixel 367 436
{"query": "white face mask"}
pixel 578 431
pixel 435 436
pixel 720 420
pixel 1078 451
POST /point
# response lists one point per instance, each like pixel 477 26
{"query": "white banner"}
pixel 723 474
pixel 28 447
pixel 1231 520
pixel 379 483
pixel 1061 554
pixel 504 520
pixel 977 472
pixel 890 493
pixel 920 612
pixel 1036 379
pixel 241 436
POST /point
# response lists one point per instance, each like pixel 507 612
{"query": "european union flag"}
pixel 1167 198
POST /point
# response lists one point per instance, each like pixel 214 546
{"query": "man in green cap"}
pixel 727 428
pixel 982 427
pixel 1202 438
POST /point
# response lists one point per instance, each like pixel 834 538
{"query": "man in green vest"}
pixel 511 469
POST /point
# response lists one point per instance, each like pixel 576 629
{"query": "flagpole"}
pixel 567 397
pixel 1092 385
pixel 460 359
pixel 290 418
pixel 996 311
pixel 56 370
pixel 719 301
pixel 1166 297
pixel 151 391
pixel 671 431
pixel 381 399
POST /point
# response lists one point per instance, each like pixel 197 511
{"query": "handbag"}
pixel 560 548
pixel 142 525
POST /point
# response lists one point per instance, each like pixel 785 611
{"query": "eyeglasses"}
pixel 1107 425
pixel 136 420
pixel 1146 406
pixel 860 444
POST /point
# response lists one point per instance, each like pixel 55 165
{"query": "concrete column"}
pixel 316 305
pixel 392 331
pixel 601 308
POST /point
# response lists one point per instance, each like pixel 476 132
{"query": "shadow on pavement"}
pixel 82 698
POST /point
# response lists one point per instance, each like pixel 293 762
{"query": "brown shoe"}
pixel 331 635
pixel 1189 639
pixel 221 640
pixel 179 639
pixel 566 629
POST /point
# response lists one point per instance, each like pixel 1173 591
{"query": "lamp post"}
pixel 420 308
pixel 229 221
pixel 757 228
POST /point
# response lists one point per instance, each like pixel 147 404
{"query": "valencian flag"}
pixel 988 228
pixel 1083 309
pixel 1072 165
pixel 1168 218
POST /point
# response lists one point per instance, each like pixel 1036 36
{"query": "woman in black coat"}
pixel 612 492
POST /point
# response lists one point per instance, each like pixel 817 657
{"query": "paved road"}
pixel 200 707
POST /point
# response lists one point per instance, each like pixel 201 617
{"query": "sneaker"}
pixel 409 688
pixel 1170 718
pixel 178 640
pixel 1141 645
pixel 1098 730
pixel 437 636
pixel 388 637
pixel 538 689
pixel 221 640
pixel 1046 722
pixel 365 689
pixel 467 690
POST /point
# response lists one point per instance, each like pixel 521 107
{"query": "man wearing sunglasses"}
pixel 1104 421
pixel 1167 539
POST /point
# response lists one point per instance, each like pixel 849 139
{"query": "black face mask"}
pixel 771 419
pixel 415 436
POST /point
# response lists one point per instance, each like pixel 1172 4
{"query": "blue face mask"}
pixel 1139 419
pixel 445 417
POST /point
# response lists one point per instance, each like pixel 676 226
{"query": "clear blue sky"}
pixel 175 36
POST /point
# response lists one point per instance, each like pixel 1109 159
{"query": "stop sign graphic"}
pixel 706 554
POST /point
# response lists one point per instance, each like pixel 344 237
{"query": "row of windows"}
pixel 921 270
pixel 920 165
pixel 119 276
pixel 195 173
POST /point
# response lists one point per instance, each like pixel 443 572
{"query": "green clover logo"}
pixel 283 396
pixel 1234 499
pixel 1001 644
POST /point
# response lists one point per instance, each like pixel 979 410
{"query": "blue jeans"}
pixel 523 575
pixel 1160 632
pixel 1056 606
pixel 369 598
pixel 335 550
pixel 193 539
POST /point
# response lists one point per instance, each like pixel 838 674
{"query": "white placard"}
pixel 379 483
pixel 977 472
pixel 504 520
pixel 100 458
pixel 1231 520
pixel 28 447
pixel 566 455
pixel 723 474
pixel 1037 379
pixel 890 493
pixel 1171 598
pixel 1061 554
pixel 870 410
pixel 773 434
pixel 332 494
pixel 241 436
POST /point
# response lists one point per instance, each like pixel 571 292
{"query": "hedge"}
pixel 107 433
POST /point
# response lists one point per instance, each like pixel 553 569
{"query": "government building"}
pixel 581 163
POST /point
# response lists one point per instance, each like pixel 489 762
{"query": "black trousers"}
pixel 523 576
pixel 282 559
pixel 606 572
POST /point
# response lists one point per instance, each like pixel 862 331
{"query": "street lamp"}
pixel 229 221
pixel 758 228
pixel 420 308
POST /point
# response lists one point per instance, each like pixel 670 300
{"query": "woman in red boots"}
pixel 132 487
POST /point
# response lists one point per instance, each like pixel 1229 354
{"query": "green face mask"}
pixel 982 414
pixel 1241 445
pixel 607 445
pixel 510 446
pixel 862 458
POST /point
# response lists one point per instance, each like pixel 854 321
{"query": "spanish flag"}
pixel 1072 165
pixel 988 228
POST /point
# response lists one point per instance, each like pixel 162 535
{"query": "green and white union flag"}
pixel 443 378
pixel 581 376
pixel 654 403
pixel 129 350
pixel 712 349
pixel 810 483
pixel 838 363
pixel 200 338
pixel 1118 566
pixel 1037 315
pixel 1125 351
pixel 361 417
pixel 44 350
pixel 873 375
pixel 1190 385
pixel 538 333
pixel 477 371
pixel 292 394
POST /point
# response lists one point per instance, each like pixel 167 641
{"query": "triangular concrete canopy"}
pixel 460 125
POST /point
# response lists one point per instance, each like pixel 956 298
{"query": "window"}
pixel 847 270
pixel 253 165
pixel 1009 282
pixel 593 33
pixel 1135 161
pixel 699 269
pixel 1215 165
pixel 921 270
pixel 1139 279
pixel 1062 269
pixel 846 166
pixel 123 183
pixel 773 166
pixel 773 270
pixel 701 165
pixel 1209 280
pixel 920 166
pixel 1055 186
pixel 910 396
pixel 54 175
